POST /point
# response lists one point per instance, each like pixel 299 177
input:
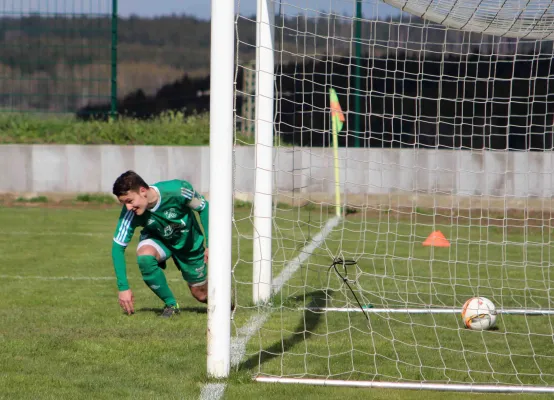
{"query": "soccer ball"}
pixel 479 314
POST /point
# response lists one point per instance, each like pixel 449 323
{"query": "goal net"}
pixel 391 162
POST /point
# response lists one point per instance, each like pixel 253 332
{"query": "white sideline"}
pixel 254 324
pixel 53 233
pixel 71 278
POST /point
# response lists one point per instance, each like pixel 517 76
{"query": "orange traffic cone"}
pixel 436 239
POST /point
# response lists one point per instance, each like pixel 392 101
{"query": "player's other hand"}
pixel 206 256
pixel 126 300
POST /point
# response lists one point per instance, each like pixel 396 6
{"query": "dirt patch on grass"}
pixel 413 208
pixel 509 218
pixel 434 209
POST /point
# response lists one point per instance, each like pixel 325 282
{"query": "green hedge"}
pixel 168 129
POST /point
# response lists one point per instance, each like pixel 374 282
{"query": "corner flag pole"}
pixel 337 120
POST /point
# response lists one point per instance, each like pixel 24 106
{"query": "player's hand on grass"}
pixel 126 300
pixel 206 256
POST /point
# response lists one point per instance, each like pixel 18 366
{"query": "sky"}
pixel 198 8
pixel 149 8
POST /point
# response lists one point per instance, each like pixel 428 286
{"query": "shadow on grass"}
pixel 156 310
pixel 307 324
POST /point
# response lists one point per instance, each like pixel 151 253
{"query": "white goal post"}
pixel 387 163
pixel 221 187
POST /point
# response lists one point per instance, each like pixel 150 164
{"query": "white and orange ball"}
pixel 479 314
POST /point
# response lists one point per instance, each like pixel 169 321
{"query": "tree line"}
pixel 457 102
pixel 420 85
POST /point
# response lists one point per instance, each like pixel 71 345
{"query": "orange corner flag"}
pixel 336 111
pixel 436 239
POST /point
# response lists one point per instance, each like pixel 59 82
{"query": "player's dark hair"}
pixel 127 182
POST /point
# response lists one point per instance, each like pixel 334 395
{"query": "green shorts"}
pixel 190 263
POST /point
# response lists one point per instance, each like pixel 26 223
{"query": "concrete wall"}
pixel 75 168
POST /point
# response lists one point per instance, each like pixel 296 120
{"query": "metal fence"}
pixel 57 56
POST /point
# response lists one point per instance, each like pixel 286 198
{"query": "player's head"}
pixel 131 191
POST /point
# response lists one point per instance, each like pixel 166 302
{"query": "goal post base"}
pixel 451 387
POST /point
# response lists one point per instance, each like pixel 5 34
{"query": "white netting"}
pixel 446 131
pixel 512 18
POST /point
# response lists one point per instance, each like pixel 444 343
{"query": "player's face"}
pixel 135 201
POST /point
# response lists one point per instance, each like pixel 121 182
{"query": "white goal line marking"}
pixel 212 391
pixel 255 323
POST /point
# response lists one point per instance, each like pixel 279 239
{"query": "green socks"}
pixel 154 277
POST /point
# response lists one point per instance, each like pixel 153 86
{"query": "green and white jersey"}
pixel 171 220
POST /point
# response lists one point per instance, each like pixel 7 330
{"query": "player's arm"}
pixel 198 203
pixel 122 236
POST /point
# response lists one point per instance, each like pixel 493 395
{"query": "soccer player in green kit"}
pixel 170 229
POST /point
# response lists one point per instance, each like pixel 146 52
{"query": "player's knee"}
pixel 147 250
pixel 147 264
pixel 200 293
pixel 201 297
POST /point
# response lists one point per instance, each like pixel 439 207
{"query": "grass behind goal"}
pixel 63 335
pixel 506 260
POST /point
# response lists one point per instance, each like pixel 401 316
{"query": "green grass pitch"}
pixel 63 335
